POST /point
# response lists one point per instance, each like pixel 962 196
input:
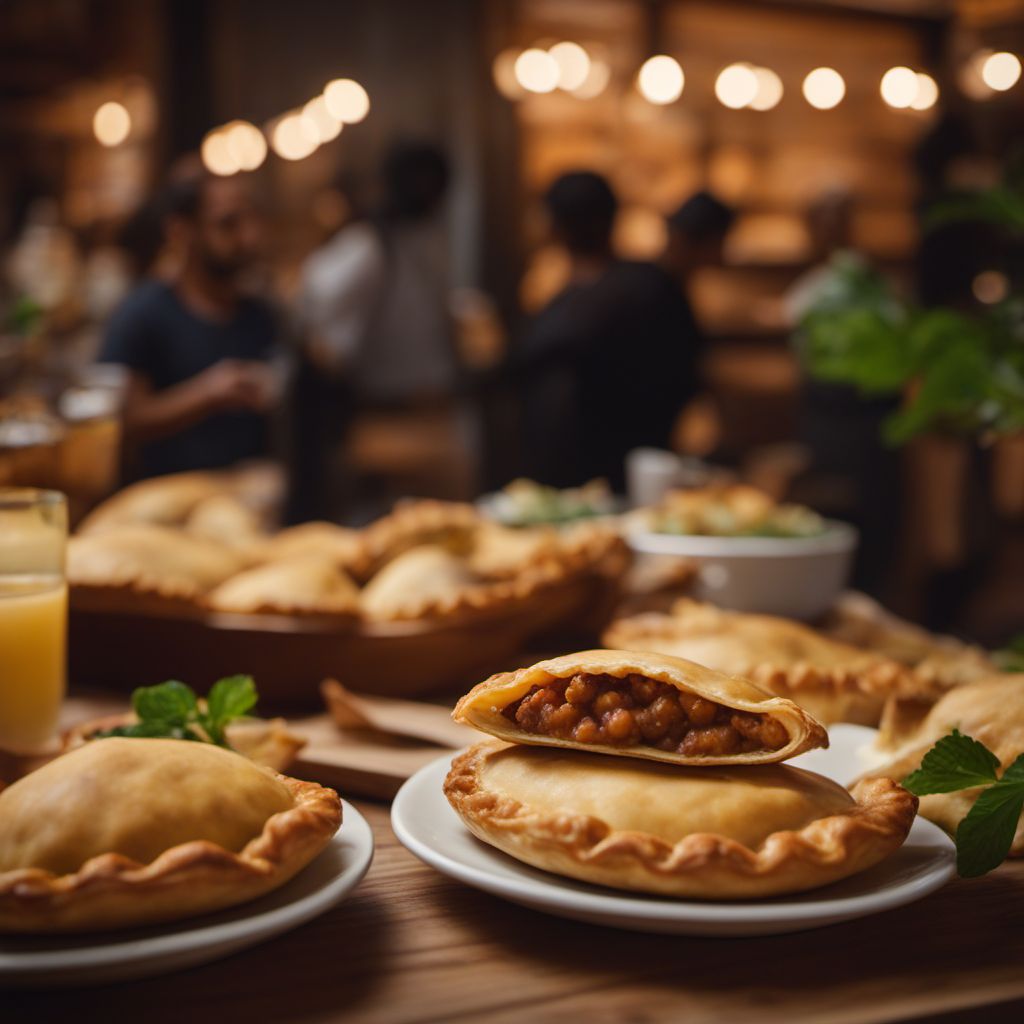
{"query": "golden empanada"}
pixel 640 705
pixel 133 831
pixel 834 681
pixel 305 584
pixel 989 710
pixel 223 519
pixel 163 500
pixel 942 661
pixel 501 551
pixel 328 540
pixel 150 559
pixel 722 833
pixel 419 581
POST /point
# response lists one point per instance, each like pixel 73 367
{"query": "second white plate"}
pixel 430 829
pixel 47 960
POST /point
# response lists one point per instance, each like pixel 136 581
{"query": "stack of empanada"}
pixel 695 801
pixel 191 543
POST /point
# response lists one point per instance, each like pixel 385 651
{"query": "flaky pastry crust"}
pixel 154 563
pixel 113 891
pixel 300 585
pixel 482 708
pixel 555 837
pixel 589 550
pixel 990 710
pixel 939 662
pixel 836 682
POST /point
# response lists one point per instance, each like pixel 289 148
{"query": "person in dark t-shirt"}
pixel 196 348
pixel 609 363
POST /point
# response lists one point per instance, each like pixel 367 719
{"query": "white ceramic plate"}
pixel 36 961
pixel 432 831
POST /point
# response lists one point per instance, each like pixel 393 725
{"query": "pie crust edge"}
pixel 114 891
pixel 833 693
pixel 699 866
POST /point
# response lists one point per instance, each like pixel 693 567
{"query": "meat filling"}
pixel 636 710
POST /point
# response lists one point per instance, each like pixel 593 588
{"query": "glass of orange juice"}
pixel 33 615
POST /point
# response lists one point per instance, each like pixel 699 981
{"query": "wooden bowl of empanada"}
pixel 291 654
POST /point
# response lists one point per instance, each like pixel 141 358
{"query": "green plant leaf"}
pixel 171 702
pixel 229 698
pixel 955 762
pixel 985 836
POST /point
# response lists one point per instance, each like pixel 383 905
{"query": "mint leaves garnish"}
pixel 984 837
pixel 955 762
pixel 172 710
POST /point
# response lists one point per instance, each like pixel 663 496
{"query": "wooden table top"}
pixel 411 945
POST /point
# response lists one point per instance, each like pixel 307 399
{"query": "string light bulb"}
pixel 111 124
pixel 661 80
pixel 291 138
pixel 217 154
pixel 769 90
pixel 736 86
pixel 927 92
pixel 347 101
pixel 537 71
pixel 1001 71
pixel 899 87
pixel 573 64
pixel 824 88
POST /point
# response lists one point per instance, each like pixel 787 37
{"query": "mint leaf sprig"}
pixel 172 710
pixel 985 835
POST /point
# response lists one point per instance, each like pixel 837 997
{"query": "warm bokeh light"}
pixel 111 124
pixel 247 144
pixel 536 70
pixel 504 72
pixel 661 80
pixel 217 154
pixel 573 64
pixel 990 287
pixel 1001 71
pixel 736 86
pixel 824 88
pixel 346 100
pixel 291 138
pixel 769 90
pixel 319 119
pixel 597 80
pixel 927 92
pixel 899 87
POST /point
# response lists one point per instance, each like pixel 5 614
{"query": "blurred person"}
pixel 696 236
pixel 196 346
pixel 607 365
pixel 380 341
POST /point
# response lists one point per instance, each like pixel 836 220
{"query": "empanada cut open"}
pixel 640 705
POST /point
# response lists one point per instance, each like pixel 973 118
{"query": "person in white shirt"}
pixel 374 311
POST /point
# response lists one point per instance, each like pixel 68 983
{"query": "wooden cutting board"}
pixel 384 741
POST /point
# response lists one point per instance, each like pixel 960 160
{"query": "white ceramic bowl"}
pixel 797 577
